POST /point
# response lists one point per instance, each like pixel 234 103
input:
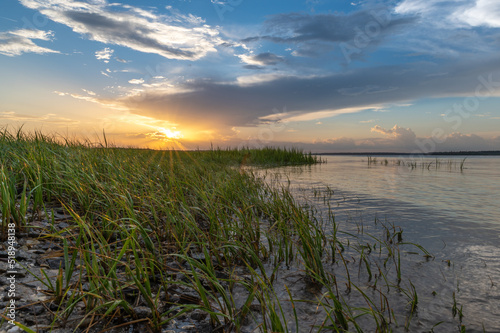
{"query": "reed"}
pixel 413 164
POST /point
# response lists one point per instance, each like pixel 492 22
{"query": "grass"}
pixel 423 164
pixel 174 232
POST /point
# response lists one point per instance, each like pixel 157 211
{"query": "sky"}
pixel 413 76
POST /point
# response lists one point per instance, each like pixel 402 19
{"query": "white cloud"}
pixel 309 116
pixel 90 92
pixel 397 133
pixel 456 12
pixel 104 54
pixel 17 42
pixel 136 81
pixel 416 6
pixel 484 13
pixel 173 36
pixel 250 80
pixel 110 104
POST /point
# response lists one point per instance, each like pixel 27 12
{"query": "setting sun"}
pixel 169 134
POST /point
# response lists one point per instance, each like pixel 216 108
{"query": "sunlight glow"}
pixel 169 134
pixel 165 134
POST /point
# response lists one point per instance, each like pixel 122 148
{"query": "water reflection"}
pixel 453 212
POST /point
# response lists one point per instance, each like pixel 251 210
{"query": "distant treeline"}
pixel 449 153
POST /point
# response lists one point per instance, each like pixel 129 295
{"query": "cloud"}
pixel 308 116
pixel 110 104
pixel 122 60
pixel 413 144
pixel 475 13
pixel 173 36
pixel 483 13
pixel 468 142
pixel 47 118
pixel 17 42
pixel 104 54
pixel 345 144
pixel 313 32
pixel 244 101
pixel 449 29
pixel 136 81
pixel 369 89
pixel 397 133
pixel 261 59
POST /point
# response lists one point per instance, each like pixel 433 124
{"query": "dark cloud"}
pixel 124 31
pixel 307 30
pixel 268 58
pixel 261 60
pixel 254 67
pixel 235 104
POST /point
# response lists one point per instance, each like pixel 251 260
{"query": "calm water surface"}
pixel 454 213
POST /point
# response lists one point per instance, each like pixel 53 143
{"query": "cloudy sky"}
pixel 325 75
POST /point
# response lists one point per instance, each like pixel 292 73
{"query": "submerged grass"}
pixel 423 164
pixel 154 235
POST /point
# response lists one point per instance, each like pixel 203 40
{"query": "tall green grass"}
pixel 176 231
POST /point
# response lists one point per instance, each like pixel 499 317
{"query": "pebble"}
pixel 54 263
pixel 63 225
pixel 198 315
pixel 32 242
pixel 143 311
pixel 14 329
pixel 36 309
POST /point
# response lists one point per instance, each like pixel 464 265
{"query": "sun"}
pixel 164 137
pixel 169 134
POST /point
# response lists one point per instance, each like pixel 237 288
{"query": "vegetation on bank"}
pixel 155 235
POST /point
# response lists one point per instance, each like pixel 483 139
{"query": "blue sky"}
pixel 404 76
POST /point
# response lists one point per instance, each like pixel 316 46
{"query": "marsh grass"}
pixel 423 164
pixel 175 231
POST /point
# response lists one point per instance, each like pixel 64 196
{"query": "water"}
pixel 452 211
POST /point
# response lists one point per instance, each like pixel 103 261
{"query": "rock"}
pixel 4 281
pixel 143 312
pixel 63 225
pixel 33 233
pixel 54 263
pixel 198 256
pixel 22 255
pixel 14 329
pixel 36 309
pixel 198 315
pixel 32 242
pixel 53 306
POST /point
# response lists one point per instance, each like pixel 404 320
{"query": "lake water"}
pixel 452 210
